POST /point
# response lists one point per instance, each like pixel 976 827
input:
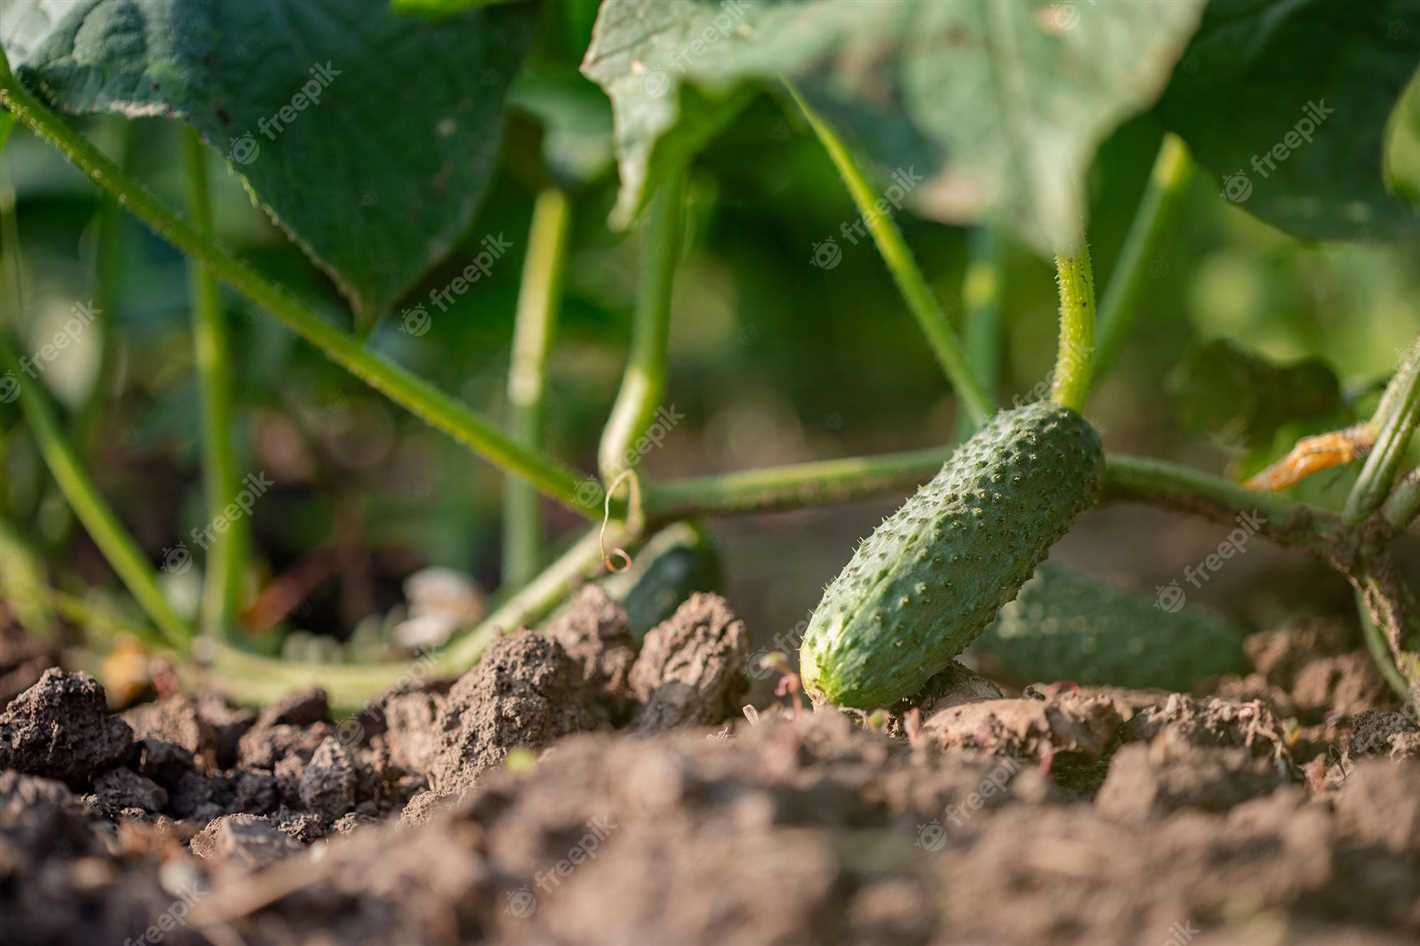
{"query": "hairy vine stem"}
pixel 436 408
pixel 535 322
pixel 108 533
pixel 1075 357
pixel 643 383
pixel 226 556
pixel 1394 422
pixel 905 271
pixel 1168 185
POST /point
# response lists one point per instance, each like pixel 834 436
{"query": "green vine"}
pixel 643 383
pixel 527 377
pixel 1395 421
pixel 227 553
pixel 422 399
pixel 911 283
pixel 1075 358
pixel 1158 211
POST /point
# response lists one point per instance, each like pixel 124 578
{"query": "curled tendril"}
pixel 618 559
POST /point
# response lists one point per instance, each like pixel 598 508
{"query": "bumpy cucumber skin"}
pixel 933 575
pixel 1068 626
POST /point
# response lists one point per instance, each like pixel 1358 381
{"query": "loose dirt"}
pixel 571 789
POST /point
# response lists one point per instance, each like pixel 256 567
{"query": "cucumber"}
pixel 933 575
pixel 1068 626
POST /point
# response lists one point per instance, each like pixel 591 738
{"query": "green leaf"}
pixel 576 124
pixel 368 136
pixel 1241 399
pixel 438 8
pixel 1286 103
pixel 998 106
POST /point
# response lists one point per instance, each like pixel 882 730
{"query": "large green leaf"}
pixel 997 104
pixel 1237 396
pixel 377 179
pixel 1286 103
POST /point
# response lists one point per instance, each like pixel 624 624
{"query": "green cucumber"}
pixel 1068 626
pixel 934 574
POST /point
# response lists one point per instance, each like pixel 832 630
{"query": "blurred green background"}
pixel 773 360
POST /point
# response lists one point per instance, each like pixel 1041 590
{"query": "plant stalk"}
pixel 548 475
pixel 975 398
pixel 1075 358
pixel 1403 505
pixel 1127 479
pixel 1156 216
pixel 536 320
pixel 107 532
pixel 644 382
pixel 227 553
pixel 117 546
pixel 251 678
pixel 1395 421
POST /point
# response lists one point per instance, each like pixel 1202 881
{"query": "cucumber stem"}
pixel 1074 358
pixel 643 383
pixel 1157 213
pixel 1395 421
pixel 1403 505
pixel 1379 650
pixel 975 398
pixel 536 319
pixel 439 410
pixel 226 555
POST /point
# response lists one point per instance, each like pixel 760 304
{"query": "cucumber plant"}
pixel 1003 134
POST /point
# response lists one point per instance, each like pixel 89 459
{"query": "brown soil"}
pixel 570 790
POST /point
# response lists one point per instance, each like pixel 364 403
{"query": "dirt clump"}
pixel 244 841
pixel 524 693
pixel 60 728
pixel 1072 722
pixel 595 632
pixel 691 669
pixel 1169 774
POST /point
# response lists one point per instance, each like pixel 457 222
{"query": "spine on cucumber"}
pixel 933 575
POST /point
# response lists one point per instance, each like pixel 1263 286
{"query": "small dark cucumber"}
pixel 932 576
